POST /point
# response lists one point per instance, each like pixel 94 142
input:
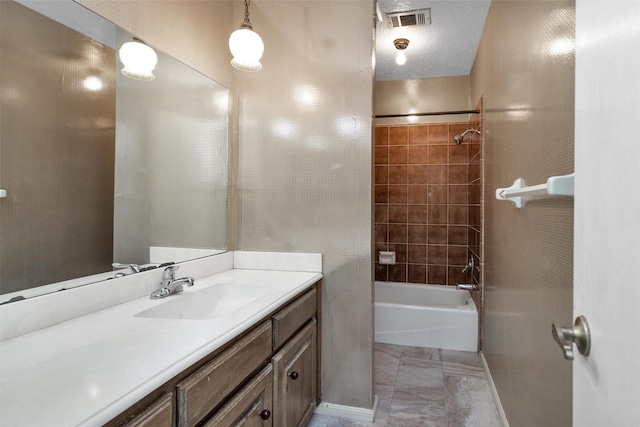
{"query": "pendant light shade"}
pixel 139 60
pixel 246 46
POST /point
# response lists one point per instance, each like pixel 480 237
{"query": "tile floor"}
pixel 422 387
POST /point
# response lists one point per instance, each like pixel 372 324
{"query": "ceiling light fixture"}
pixel 245 45
pixel 139 60
pixel 401 45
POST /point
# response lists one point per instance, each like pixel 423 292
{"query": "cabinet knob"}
pixel 294 375
pixel 265 414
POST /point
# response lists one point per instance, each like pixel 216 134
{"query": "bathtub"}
pixel 425 316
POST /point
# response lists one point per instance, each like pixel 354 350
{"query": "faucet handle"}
pixel 169 273
pixel 470 266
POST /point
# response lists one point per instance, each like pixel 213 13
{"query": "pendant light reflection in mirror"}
pixel 139 60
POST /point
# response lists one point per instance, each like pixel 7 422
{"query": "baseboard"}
pixel 351 412
pixel 494 391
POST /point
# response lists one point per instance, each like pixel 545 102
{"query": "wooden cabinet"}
pixel 245 383
pixel 158 414
pixel 250 407
pixel 289 320
pixel 295 379
pixel 212 384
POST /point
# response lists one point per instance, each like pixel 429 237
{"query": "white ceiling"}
pixel 445 48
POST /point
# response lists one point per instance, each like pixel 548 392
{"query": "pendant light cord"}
pixel 246 23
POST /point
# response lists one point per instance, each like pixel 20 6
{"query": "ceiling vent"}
pixel 409 18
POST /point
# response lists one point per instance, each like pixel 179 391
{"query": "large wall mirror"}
pixel 97 167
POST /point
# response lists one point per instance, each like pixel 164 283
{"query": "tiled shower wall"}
pixel 424 186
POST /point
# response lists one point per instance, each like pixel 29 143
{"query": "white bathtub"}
pixel 425 316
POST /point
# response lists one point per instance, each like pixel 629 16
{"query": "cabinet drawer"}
pixel 250 407
pixel 158 414
pixel 205 389
pixel 289 320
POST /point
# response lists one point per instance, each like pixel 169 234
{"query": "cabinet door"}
pixel 295 379
pixel 250 407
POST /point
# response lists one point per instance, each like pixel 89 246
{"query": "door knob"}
pixel 579 334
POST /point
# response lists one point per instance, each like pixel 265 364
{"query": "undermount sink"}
pixel 213 302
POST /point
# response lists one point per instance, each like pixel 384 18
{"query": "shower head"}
pixel 458 138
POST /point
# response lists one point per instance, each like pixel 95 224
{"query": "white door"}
pixel 606 383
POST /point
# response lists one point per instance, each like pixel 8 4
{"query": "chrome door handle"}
pixel 579 334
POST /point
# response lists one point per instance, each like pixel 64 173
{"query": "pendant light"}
pixel 139 60
pixel 246 45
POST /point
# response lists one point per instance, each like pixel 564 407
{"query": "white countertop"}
pixel 87 370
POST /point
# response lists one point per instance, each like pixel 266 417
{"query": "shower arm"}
pixel 469 130
pixel 459 138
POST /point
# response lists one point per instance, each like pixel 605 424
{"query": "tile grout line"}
pixel 449 398
pixel 395 384
pixel 444 387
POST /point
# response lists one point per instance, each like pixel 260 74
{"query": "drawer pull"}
pixel 294 375
pixel 265 414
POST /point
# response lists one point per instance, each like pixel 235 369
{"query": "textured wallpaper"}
pixel 525 69
pixel 57 147
pixel 171 161
pixel 300 142
pixel 305 167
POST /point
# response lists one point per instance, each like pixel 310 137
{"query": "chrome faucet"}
pixel 469 288
pixel 135 268
pixel 170 285
pixel 468 270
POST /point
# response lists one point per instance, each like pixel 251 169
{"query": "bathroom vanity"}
pixel 238 348
pixel 266 374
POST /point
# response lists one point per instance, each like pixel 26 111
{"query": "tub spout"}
pixel 469 288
